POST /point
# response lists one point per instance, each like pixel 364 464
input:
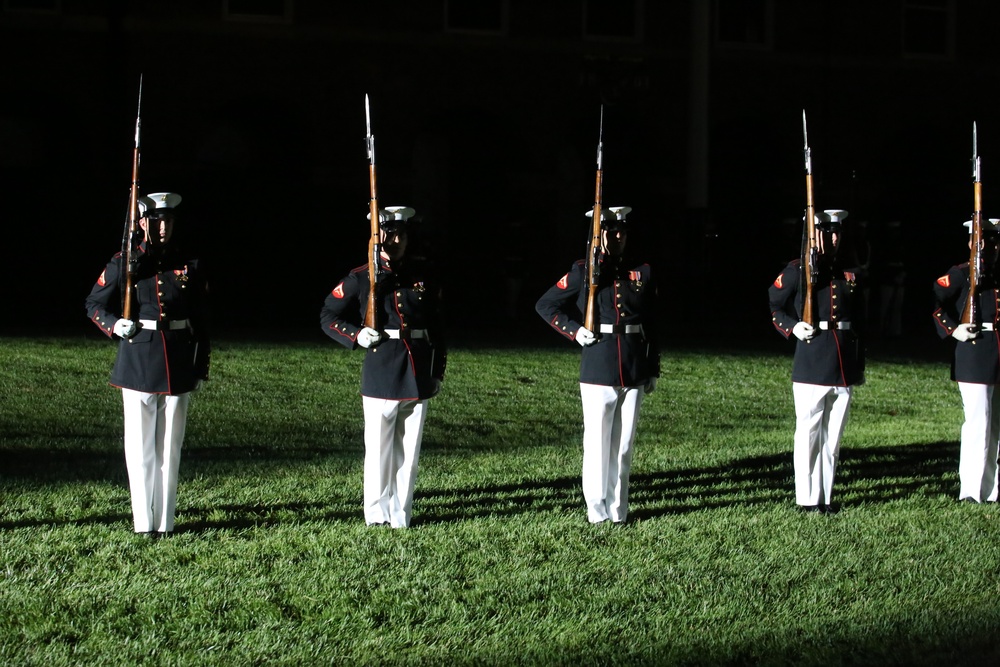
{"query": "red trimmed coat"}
pixel 625 296
pixel 833 357
pixel 408 299
pixel 169 286
pixel 977 360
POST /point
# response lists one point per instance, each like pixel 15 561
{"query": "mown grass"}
pixel 272 564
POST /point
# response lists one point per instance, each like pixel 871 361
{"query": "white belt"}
pixel 620 328
pixel 396 334
pixel 986 326
pixel 172 325
pixel 836 325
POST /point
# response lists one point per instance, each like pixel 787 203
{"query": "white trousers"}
pixel 393 433
pixel 977 466
pixel 610 417
pixel 820 416
pixel 154 434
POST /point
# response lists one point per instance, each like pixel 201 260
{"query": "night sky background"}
pixel 259 125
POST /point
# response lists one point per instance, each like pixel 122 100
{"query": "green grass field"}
pixel 271 562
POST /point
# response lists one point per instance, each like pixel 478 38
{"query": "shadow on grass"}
pixel 864 476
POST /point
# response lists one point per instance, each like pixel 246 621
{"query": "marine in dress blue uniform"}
pixel 403 367
pixel 163 356
pixel 829 361
pixel 975 366
pixel 620 362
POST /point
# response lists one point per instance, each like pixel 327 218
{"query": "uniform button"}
pixel 159 294
pixel 159 282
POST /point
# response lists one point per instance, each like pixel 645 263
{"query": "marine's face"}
pixel 613 241
pixel 393 243
pixel 829 243
pixel 158 228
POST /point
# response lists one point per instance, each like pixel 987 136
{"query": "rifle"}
pixel 810 241
pixel 374 265
pixel 592 277
pixel 971 315
pixel 129 245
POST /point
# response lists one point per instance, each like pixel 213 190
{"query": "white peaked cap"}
pixel 605 214
pixel 388 213
pixel 158 200
pixel 620 212
pixel 835 214
pixel 993 224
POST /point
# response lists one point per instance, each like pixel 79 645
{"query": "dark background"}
pixel 486 118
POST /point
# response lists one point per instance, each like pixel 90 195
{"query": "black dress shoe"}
pixel 830 509
pixel 810 509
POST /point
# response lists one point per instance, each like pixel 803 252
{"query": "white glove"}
pixel 585 337
pixel 965 332
pixel 368 337
pixel 124 328
pixel 803 331
pixel 650 385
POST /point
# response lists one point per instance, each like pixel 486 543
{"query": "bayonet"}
pixel 806 150
pixel 600 142
pixel 975 155
pixel 369 139
pixel 138 114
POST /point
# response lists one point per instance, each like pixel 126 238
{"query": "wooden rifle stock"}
pixel 374 241
pixel 371 311
pixel 592 277
pixel 809 257
pixel 970 314
pixel 810 243
pixel 593 257
pixel 129 258
pixel 130 236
